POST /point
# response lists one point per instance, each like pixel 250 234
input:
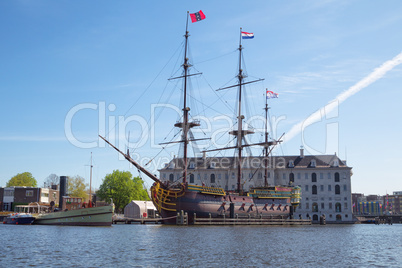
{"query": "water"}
pixel 196 246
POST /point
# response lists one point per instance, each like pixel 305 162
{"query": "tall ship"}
pixel 264 201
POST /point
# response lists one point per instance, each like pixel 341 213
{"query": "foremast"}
pixel 185 125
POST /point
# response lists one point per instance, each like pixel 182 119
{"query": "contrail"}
pixel 366 81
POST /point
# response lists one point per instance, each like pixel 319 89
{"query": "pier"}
pixel 182 219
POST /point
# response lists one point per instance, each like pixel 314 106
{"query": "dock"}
pixel 182 219
pixel 140 221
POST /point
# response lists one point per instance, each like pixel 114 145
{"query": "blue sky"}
pixel 106 60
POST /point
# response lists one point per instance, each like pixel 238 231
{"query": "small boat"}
pixel 74 213
pixel 19 218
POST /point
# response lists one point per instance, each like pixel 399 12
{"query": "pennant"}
pixel 246 35
pixel 272 95
pixel 197 16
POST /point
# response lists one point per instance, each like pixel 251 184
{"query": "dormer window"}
pixel 192 165
pixel 291 163
pixel 336 163
pixel 212 165
pixel 171 165
pixel 313 163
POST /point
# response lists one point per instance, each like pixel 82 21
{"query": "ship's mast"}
pixel 185 125
pixel 90 182
pixel 266 142
pixel 239 121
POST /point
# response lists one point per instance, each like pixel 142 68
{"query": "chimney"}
pixel 301 152
pixel 204 155
pixel 63 190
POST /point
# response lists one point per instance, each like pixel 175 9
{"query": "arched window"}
pixel 212 178
pixel 336 177
pixel 315 217
pixel 191 178
pixel 315 207
pixel 171 177
pixel 314 177
pixel 337 189
pixel 338 207
pixel 314 189
pixel 291 177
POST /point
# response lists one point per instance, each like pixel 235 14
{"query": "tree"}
pixel 52 179
pixel 122 188
pixel 22 179
pixel 77 187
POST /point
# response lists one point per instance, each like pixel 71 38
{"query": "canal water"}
pixel 201 246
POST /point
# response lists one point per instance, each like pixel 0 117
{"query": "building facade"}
pixel 325 180
pixel 22 195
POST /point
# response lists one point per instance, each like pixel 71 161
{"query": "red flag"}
pixel 197 16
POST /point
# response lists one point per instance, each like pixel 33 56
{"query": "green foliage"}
pixel 77 187
pixel 122 188
pixel 22 179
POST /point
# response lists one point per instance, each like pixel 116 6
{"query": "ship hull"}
pixel 203 205
pixel 95 216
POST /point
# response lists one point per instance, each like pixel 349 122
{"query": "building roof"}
pixel 312 161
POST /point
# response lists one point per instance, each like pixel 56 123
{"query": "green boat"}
pixel 94 216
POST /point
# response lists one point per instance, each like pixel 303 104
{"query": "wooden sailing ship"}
pixel 202 201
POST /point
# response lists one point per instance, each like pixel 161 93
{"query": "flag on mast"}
pixel 272 95
pixel 197 16
pixel 246 35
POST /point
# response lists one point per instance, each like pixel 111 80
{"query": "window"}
pixel 345 206
pixel 329 175
pixel 336 177
pixel 314 189
pixel 306 176
pixel 291 177
pixel 337 189
pixel 291 164
pixel 306 188
pixel 321 176
pixel 322 188
pixel 192 165
pixel 171 177
pixel 284 176
pixel 298 176
pixel 313 163
pixel 336 163
pixel 322 206
pixel 338 207
pixel 164 176
pixel 315 207
pixel 212 165
pixel 219 176
pixel 212 178
pixel 313 177
pixel 307 206
pixel 344 187
pixel 191 178
pixel 29 193
pixel 330 205
pixel 329 188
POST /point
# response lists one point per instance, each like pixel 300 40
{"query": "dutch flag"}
pixel 246 35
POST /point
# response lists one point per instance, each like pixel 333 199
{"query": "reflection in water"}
pixel 158 245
